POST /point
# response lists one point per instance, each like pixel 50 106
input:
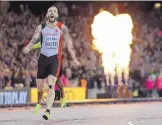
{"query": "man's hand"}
pixel 34 39
pixel 76 63
pixel 26 50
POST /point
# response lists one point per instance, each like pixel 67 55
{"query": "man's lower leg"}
pixel 40 86
pixel 40 94
pixel 38 106
pixel 60 86
pixel 62 100
pixel 50 96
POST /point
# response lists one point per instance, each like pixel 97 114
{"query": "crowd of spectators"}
pixel 146 49
pixel 19 70
pixel 16 31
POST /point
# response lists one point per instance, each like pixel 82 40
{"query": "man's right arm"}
pixel 34 39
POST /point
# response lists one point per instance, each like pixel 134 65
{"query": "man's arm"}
pixel 35 38
pixel 68 41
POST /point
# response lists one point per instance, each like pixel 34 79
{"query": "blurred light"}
pixel 157 5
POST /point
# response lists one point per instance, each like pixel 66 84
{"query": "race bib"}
pixel 51 43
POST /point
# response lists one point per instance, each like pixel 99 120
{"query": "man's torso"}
pixel 51 40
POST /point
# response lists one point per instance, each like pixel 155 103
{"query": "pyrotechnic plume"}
pixel 112 38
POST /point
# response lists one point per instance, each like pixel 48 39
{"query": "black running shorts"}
pixel 48 66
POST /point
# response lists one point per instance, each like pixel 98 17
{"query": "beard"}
pixel 52 20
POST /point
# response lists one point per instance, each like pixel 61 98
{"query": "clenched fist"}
pixel 26 49
pixel 76 63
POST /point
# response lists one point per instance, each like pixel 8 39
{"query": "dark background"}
pixel 37 7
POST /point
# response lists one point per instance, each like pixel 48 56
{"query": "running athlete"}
pixel 52 33
pixel 58 87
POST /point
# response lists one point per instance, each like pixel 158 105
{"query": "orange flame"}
pixel 112 37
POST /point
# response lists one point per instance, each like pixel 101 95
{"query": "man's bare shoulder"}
pixel 38 29
pixel 64 29
pixel 40 25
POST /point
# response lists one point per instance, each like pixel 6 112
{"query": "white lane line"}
pixel 130 123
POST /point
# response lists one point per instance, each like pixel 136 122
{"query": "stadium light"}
pixel 157 5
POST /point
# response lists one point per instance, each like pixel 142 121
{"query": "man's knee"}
pixel 51 81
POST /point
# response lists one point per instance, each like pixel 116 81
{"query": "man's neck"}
pixel 51 25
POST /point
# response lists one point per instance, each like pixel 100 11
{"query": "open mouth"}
pixel 51 16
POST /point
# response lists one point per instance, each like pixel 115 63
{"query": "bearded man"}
pixel 53 35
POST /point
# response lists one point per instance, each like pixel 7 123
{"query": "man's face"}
pixel 52 14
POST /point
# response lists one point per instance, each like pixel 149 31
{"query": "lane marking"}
pixel 130 123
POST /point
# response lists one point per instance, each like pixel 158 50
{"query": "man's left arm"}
pixel 69 44
pixel 68 41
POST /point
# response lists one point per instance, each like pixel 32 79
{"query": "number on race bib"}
pixel 51 44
